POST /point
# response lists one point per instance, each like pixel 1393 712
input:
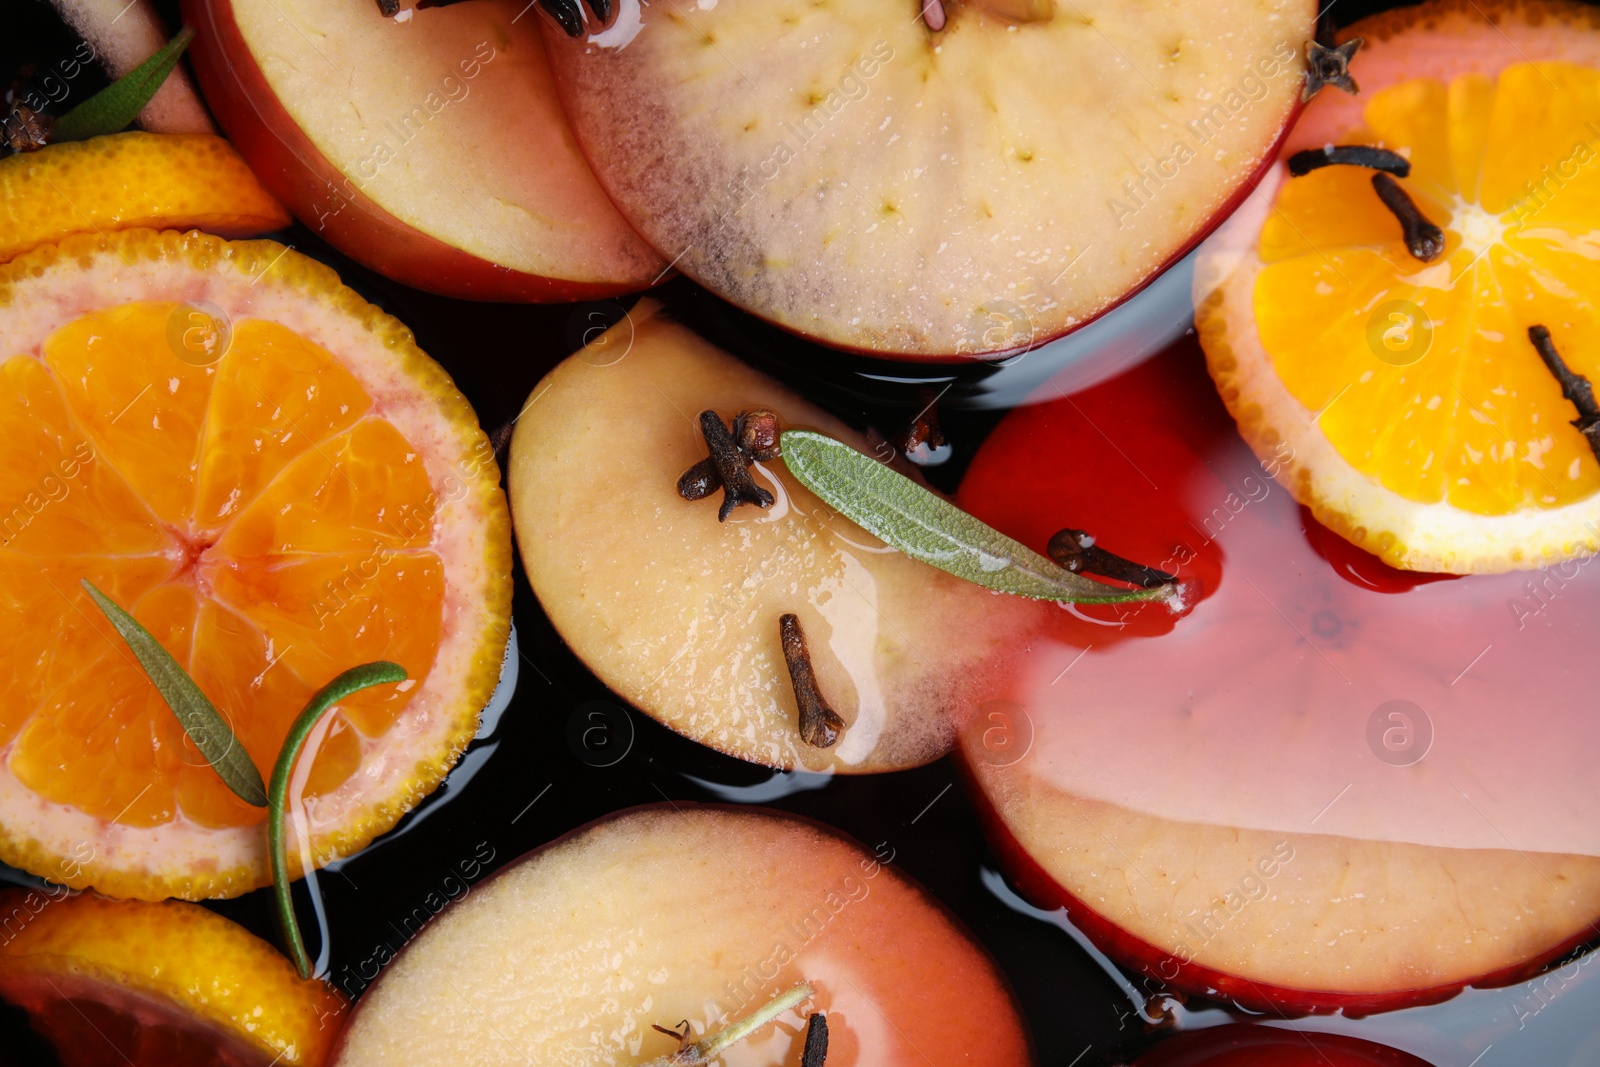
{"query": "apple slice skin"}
pixel 316 192
pixel 1518 912
pixel 678 613
pixel 876 945
pixel 1042 889
pixel 1000 328
pixel 1261 1046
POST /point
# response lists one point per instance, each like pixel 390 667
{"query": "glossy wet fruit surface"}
pixel 1428 428
pixel 680 613
pixel 430 147
pixel 158 985
pixel 129 180
pixel 843 171
pixel 1258 1046
pixel 1306 794
pixel 700 914
pixel 277 492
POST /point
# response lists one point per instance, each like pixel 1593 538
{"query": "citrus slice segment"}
pixel 136 983
pixel 1423 423
pixel 127 180
pixel 307 493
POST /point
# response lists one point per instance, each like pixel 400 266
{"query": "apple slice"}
pixel 1260 1046
pixel 689 916
pixel 679 613
pixel 1322 789
pixel 851 175
pixel 430 148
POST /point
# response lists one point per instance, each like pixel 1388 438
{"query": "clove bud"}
pixel 756 436
pixel 819 723
pixel 1423 239
pixel 816 1047
pixel 1575 387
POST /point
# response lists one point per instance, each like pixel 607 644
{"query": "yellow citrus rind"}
pixel 1458 456
pixel 55 284
pixel 184 960
pixel 127 181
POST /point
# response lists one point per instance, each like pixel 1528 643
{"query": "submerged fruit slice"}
pixel 679 613
pixel 701 914
pixel 158 985
pixel 131 180
pixel 848 174
pixel 277 498
pixel 1315 791
pixel 1261 1046
pixel 429 147
pixel 1425 425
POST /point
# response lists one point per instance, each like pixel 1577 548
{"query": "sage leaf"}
pixel 116 106
pixel 926 527
pixel 199 718
pixel 351 681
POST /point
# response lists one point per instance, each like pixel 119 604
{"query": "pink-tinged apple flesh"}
pixel 1229 800
pixel 1445 42
pixel 431 148
pixel 678 613
pixel 567 957
pixel 842 171
pixel 1260 1046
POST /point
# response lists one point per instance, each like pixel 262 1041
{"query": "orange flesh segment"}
pixel 255 515
pixel 1478 421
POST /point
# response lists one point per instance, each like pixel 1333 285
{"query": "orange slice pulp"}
pixel 130 984
pixel 1424 424
pixel 279 485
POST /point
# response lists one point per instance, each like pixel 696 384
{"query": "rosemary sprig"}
pixel 929 528
pixel 351 681
pixel 712 1046
pixel 199 718
pixel 221 748
pixel 116 106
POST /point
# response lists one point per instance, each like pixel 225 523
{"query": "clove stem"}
pixel 1076 551
pixel 737 485
pixel 699 481
pixel 1351 155
pixel 819 723
pixel 712 1045
pixel 816 1047
pixel 755 432
pixel 1575 387
pixel 1423 239
pixel 567 14
pixel 1328 63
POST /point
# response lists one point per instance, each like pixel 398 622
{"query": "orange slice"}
pixel 1423 424
pixel 276 506
pixel 168 984
pixel 127 180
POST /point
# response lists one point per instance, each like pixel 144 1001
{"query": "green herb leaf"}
pixel 351 681
pixel 200 720
pixel 929 528
pixel 116 106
